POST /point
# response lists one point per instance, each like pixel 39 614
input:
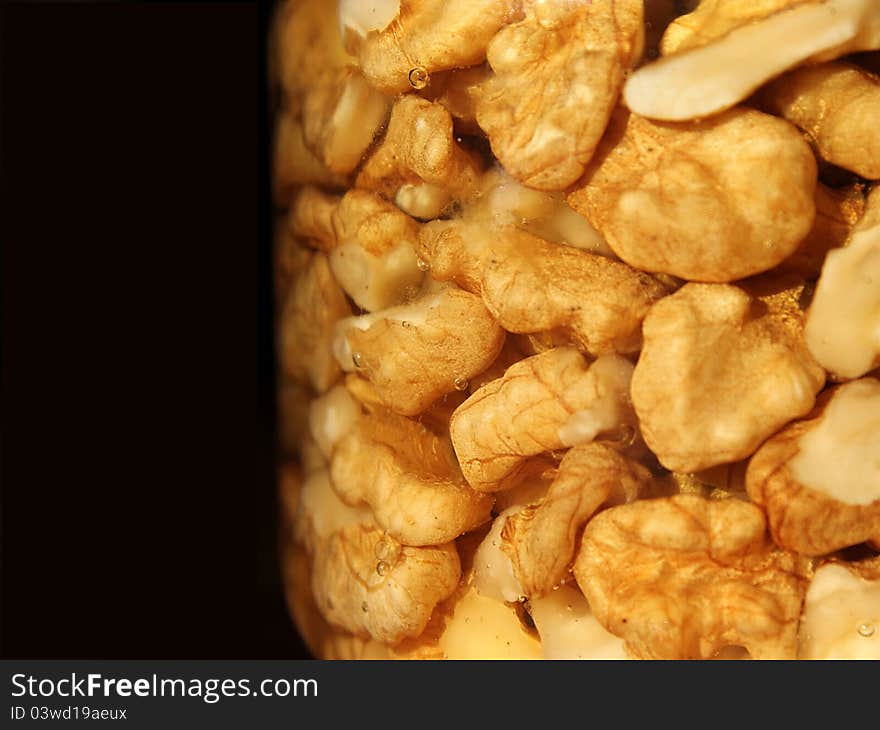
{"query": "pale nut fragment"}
pixel 418 150
pixel 320 512
pixel 493 571
pixel 557 76
pixel 410 479
pixel 341 117
pixel 331 417
pixel 722 368
pixel 310 216
pixel 837 105
pixel 520 415
pixel 424 37
pixel 531 285
pixel 569 630
pixel 541 539
pixel 684 577
pixel 502 201
pixel 843 321
pixel 718 55
pixel 390 603
pixel 818 480
pixel 837 211
pixel 314 305
pixel 841 618
pixel 308 45
pixel 415 353
pixel 698 200
pixel 374 259
pixel 295 164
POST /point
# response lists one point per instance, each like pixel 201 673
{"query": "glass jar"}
pixel 554 288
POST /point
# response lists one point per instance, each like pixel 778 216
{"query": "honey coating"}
pixel 577 328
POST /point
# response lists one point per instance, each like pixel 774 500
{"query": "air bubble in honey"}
pixel 866 630
pixel 460 384
pixel 357 359
pixel 418 77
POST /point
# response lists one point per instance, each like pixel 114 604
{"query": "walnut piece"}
pixel 723 367
pixel 843 322
pixel 724 50
pixel 557 76
pixel 520 415
pixel 424 36
pixel 818 480
pixel 841 617
pixel 541 538
pixel 418 164
pixel 410 479
pixel 684 577
pixel 341 117
pixel 374 258
pixel 698 200
pixel 314 305
pixel 837 105
pixel 363 580
pixel 415 353
pixel 531 285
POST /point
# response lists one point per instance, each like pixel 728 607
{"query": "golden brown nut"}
pixel 837 105
pixel 410 479
pixel 699 201
pixel 419 164
pixel 541 538
pixel 363 580
pixel 724 50
pixel 843 322
pixel 341 117
pixel 684 577
pixel 722 368
pixel 354 592
pixel 415 353
pixel 374 258
pixel 837 211
pixel 525 412
pixel 399 51
pixel 557 77
pixel 818 480
pixel 311 311
pixel 531 285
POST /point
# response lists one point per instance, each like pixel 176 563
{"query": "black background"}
pixel 137 377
